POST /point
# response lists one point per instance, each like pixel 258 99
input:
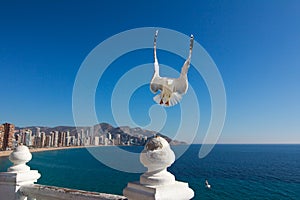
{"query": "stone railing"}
pixel 44 192
pixel 18 183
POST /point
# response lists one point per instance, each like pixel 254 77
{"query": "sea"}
pixel 267 172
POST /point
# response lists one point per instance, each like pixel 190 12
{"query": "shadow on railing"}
pixel 44 192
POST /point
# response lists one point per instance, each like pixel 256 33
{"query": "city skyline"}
pixel 102 134
pixel 255 46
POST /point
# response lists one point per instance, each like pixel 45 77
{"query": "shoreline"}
pixel 33 150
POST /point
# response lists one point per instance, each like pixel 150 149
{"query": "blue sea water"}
pixel 234 171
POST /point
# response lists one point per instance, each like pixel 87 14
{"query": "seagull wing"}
pixel 180 85
pixel 186 65
pixel 156 84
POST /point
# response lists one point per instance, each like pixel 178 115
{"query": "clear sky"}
pixel 255 45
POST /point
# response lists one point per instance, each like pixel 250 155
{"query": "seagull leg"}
pixel 161 102
pixel 167 103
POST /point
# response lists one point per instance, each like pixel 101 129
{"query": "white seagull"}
pixel 171 89
pixel 207 185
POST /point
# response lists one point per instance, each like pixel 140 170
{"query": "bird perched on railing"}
pixel 171 89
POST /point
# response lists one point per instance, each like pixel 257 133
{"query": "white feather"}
pixel 157 98
pixel 175 98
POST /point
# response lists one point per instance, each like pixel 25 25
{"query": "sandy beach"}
pixel 7 153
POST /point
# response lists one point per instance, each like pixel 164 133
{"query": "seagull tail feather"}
pixel 175 99
pixel 157 98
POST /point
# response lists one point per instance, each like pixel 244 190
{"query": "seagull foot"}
pixel 161 102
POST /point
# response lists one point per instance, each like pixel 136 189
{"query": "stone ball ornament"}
pixel 157 182
pixel 19 157
pixel 157 154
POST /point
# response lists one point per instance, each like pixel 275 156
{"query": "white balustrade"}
pixel 18 183
pixel 18 175
pixel 157 183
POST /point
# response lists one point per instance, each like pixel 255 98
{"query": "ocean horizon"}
pixel 235 171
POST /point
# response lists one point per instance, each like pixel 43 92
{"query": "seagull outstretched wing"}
pixel 156 82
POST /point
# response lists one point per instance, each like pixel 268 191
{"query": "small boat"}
pixel 207 185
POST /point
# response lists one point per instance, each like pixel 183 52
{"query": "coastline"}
pixel 33 150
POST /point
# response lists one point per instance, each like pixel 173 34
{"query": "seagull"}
pixel 207 185
pixel 171 89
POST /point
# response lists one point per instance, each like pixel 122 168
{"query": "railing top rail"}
pixel 45 192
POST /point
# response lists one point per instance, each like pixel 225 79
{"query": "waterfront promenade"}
pixel 32 150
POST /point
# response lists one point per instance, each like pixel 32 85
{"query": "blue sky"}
pixel 255 45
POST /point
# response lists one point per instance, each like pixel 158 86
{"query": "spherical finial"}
pixel 19 157
pixel 157 154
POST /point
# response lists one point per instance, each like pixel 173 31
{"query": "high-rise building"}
pixel 92 134
pixel 28 137
pixel 96 140
pixel 1 136
pixel 82 134
pixel 87 133
pixel 87 141
pixel 38 132
pixel 102 139
pixel 52 134
pixel 55 140
pixel 48 141
pixel 37 141
pixel 63 139
pixel 18 138
pixel 117 139
pixel 72 140
pixel 7 132
pixel 78 138
pixel 109 136
pixel 43 139
pixel 60 138
pixel 67 139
